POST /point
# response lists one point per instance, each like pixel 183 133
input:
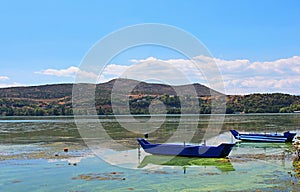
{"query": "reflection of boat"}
pixel 221 150
pixel 263 145
pixel 285 137
pixel 222 164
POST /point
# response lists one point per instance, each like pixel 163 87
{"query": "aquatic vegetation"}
pixel 100 176
pixel 296 161
pixel 296 166
pixel 50 151
pixel 222 164
pixel 260 156
pixel 17 181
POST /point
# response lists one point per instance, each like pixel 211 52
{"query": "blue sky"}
pixel 256 43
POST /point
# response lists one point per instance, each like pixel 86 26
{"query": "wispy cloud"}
pixel 72 71
pixel 4 78
pixel 115 70
pixel 69 72
pixel 15 84
pixel 7 83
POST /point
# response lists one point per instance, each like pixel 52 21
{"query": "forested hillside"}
pixel 57 100
pixel 263 103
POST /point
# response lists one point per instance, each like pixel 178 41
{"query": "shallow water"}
pixel 32 156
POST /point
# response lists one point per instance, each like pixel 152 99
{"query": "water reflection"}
pixel 222 164
pixel 49 129
pixel 262 145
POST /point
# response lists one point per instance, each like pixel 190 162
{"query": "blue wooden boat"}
pixel 272 137
pixel 219 151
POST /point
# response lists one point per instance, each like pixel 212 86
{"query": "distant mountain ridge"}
pixel 38 92
pixel 55 91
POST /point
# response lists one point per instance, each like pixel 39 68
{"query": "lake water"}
pixel 32 156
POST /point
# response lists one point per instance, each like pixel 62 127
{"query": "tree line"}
pixel 154 104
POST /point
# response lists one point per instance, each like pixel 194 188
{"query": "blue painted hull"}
pixel 204 151
pixel 276 138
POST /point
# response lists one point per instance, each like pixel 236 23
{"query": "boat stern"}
pixel 227 147
pixel 143 142
pixel 289 136
pixel 235 134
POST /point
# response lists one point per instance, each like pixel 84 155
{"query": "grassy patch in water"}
pixel 100 176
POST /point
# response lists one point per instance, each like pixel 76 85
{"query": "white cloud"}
pixel 280 75
pixel 115 70
pixel 280 66
pixel 241 76
pixel 231 65
pixel 15 84
pixel 87 76
pixel 8 84
pixel 69 72
pixel 144 60
pixel 186 67
pixel 83 76
pixel 4 78
pixel 172 71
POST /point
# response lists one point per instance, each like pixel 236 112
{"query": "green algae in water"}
pixel 100 176
pixel 222 164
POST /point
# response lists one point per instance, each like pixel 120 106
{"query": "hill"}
pixel 38 92
pixel 57 91
pixel 57 99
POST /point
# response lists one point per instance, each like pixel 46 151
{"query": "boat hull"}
pixel 276 138
pixel 204 151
